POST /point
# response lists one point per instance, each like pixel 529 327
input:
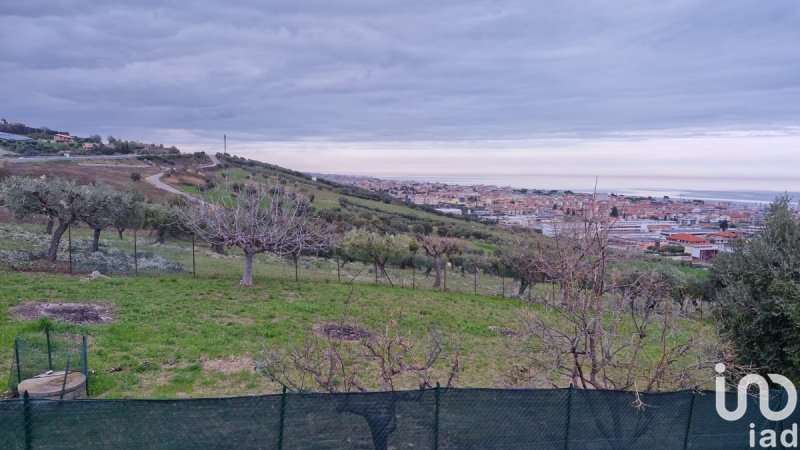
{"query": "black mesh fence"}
pixel 429 419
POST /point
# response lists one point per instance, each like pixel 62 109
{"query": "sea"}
pixel 730 189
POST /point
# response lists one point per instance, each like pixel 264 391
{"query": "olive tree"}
pixel 437 248
pixel 105 207
pixel 757 290
pixel 375 248
pixel 59 199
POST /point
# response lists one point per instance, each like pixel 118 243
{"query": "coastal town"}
pixel 682 229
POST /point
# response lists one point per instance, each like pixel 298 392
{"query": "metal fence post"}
pixel 689 423
pixel 85 349
pixel 135 255
pixel 569 415
pixel 194 271
pixel 49 351
pixel 66 374
pixel 338 269
pixel 475 282
pixel 69 246
pixel 436 418
pixel 16 359
pixel 26 414
pixel 282 419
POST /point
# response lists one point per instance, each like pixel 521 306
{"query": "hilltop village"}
pixel 682 229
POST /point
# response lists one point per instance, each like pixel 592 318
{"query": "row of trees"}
pixel 100 206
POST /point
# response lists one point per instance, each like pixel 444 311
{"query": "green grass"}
pixel 169 325
pixel 166 326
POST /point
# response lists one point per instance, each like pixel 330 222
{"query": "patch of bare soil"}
pixel 228 365
pixel 342 331
pixel 83 313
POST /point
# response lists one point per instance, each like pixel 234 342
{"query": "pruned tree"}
pixel 160 218
pixel 260 219
pixel 376 248
pixel 524 264
pixel 388 360
pixel 607 327
pixel 436 248
pixel 132 215
pixel 59 199
pixel 105 206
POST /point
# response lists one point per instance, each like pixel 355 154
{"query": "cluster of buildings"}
pixel 686 229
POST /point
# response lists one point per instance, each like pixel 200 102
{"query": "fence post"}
pixel 338 270
pixel 16 359
pixel 49 351
pixel 282 419
pixel 135 255
pixel 64 383
pixel 436 418
pixel 689 423
pixel 569 415
pixel 85 349
pixel 26 414
pixel 194 270
pixel 69 246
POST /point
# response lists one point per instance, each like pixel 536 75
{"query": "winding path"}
pixel 155 180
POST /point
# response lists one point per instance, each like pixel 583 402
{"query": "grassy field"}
pixel 184 336
pixel 177 335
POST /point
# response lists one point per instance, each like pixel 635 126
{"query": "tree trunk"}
pixel 49 229
pixel 52 252
pixel 437 265
pixel 247 276
pixel 161 236
pixel 523 285
pixel 96 240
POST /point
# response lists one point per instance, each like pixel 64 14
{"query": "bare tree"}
pixel 607 327
pixel 387 359
pixel 436 248
pixel 259 219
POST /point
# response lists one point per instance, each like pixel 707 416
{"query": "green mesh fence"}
pixel 36 353
pixel 430 419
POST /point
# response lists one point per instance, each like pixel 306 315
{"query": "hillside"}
pixel 177 334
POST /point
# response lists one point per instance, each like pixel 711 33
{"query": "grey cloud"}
pixel 411 70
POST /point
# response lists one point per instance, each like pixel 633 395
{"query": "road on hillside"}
pixel 32 159
pixel 155 180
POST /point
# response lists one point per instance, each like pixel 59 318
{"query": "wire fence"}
pixel 140 252
pixel 36 353
pixel 428 419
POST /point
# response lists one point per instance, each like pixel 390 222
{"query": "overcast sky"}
pixel 422 86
